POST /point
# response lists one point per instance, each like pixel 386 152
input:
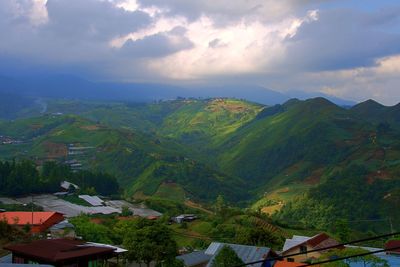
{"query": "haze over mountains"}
pixel 72 87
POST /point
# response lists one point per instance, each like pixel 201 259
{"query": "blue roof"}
pixel 194 258
pixel 245 253
pixel 6 259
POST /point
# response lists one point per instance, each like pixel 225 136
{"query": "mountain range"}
pixel 309 161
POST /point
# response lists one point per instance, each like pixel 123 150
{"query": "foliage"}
pixel 91 231
pixel 23 177
pixel 226 257
pixel 149 241
pixel 126 211
pixel 369 260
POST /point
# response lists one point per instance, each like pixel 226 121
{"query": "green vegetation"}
pixel 21 178
pixel 369 260
pixel 306 163
pixel 226 257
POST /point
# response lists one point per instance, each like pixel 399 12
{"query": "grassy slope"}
pixel 282 151
pixel 139 162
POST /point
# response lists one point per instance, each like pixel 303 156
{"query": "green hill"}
pixel 140 163
pixel 311 161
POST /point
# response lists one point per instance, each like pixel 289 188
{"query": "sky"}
pixel 346 48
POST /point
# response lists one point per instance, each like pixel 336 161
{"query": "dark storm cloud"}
pixel 341 39
pixel 92 19
pixel 157 45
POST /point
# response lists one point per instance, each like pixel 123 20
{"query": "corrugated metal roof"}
pixel 117 250
pixel 56 250
pixel 92 200
pixel 245 253
pixel 62 225
pixel 6 259
pixel 295 241
pixel 194 258
pixel 25 217
pixel 66 185
pixel 213 248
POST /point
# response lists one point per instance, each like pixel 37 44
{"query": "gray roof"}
pixel 6 259
pixel 194 258
pixel 92 200
pixel 296 240
pixel 62 225
pixel 245 253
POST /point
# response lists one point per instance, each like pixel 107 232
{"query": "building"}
pixel 38 221
pixel 62 229
pixel 289 264
pixel 195 259
pixel 303 244
pixel 393 246
pixel 184 218
pixel 61 252
pixel 95 201
pixel 67 186
pixel 245 253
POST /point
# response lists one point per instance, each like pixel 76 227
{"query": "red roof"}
pixel 393 244
pixel 54 250
pixel 288 264
pixel 25 217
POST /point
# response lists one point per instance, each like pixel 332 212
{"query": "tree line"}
pixel 25 177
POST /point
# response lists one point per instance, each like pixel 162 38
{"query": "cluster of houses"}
pixel 62 248
pixel 75 155
pixel 6 140
pixel 296 252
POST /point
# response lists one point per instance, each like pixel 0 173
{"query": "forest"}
pixel 24 177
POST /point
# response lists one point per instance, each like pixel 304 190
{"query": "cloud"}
pixel 238 48
pixel 227 11
pixel 315 45
pixel 157 45
pixel 340 40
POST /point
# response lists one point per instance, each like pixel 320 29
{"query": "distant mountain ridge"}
pixel 72 87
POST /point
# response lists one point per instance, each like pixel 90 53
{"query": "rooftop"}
pixel 245 253
pixel 54 250
pixel 318 241
pixel 194 258
pixel 394 245
pixel 25 217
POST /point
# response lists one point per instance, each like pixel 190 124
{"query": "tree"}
pixel 226 257
pixel 150 241
pixel 125 212
pixel 343 230
pixel 369 260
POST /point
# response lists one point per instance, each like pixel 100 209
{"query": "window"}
pixel 303 249
pixel 290 259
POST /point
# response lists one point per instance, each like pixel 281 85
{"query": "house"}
pixel 61 252
pixel 393 247
pixel 62 229
pixel 39 221
pixel 184 218
pixel 245 253
pixel 285 263
pixel 195 259
pixel 67 186
pixel 302 244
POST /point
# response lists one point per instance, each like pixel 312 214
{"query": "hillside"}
pixel 282 158
pixel 140 163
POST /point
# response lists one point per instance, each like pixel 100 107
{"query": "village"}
pixel 53 239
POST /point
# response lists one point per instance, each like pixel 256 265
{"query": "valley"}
pixel 277 159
